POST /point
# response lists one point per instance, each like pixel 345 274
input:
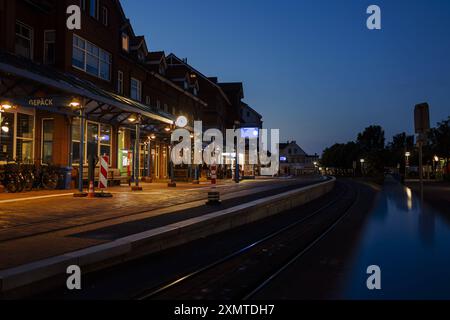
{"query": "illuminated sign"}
pixel 250 133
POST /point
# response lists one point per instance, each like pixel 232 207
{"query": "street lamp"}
pixel 407 155
pixel 362 161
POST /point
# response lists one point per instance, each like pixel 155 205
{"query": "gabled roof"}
pixel 139 42
pixel 246 106
pixel 232 87
pixel 179 61
pixel 284 146
pixel 156 56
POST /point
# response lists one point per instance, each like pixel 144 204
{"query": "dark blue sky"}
pixel 311 67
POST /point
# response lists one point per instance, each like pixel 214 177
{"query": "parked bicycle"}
pixel 18 177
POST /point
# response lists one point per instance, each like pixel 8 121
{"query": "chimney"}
pixel 185 60
pixel 213 79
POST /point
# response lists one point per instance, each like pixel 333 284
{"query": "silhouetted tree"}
pixel 372 145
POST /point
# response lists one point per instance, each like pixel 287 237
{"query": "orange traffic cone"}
pixel 91 193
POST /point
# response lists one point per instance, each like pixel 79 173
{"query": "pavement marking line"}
pixel 37 198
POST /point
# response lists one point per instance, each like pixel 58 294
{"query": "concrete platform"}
pixel 43 256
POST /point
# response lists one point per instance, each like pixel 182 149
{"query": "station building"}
pixel 100 87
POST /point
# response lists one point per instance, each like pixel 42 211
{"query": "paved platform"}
pixel 43 225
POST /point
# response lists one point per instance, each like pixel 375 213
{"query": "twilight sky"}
pixel 311 67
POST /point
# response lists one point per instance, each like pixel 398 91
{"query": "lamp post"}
pixel 77 105
pixel 436 164
pixel 362 161
pixel 407 155
pixel 237 173
pixel 136 119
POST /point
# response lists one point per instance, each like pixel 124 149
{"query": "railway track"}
pixel 247 271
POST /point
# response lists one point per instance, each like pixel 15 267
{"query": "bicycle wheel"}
pixel 28 181
pixel 50 180
pixel 13 184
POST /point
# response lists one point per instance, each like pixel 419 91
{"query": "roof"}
pixel 70 84
pixel 181 62
pixel 245 105
pixel 156 56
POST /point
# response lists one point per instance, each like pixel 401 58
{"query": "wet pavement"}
pixel 409 241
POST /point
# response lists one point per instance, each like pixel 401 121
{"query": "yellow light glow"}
pixel 409 198
pixel 6 106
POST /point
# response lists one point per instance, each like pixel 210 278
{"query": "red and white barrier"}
pixel 103 179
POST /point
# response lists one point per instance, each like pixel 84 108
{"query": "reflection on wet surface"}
pixel 411 244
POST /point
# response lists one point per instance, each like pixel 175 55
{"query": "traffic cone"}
pixel 91 193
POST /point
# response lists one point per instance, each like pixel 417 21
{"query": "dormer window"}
pixel 94 9
pixel 162 70
pixel 125 42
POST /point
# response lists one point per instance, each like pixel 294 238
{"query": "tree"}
pixel 439 140
pixel 396 150
pixel 372 145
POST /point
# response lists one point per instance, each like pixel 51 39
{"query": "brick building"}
pixel 106 68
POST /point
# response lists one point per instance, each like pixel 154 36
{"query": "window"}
pixel 49 46
pixel 136 87
pixel 76 140
pixel 48 128
pixel 24 138
pixel 105 141
pixel 120 82
pixel 24 40
pixel 93 8
pixel 83 5
pixel 147 100
pixel 91 59
pixel 105 16
pixel 166 107
pixel 158 105
pixel 92 139
pixel 7 136
pixel 125 42
pixel 97 140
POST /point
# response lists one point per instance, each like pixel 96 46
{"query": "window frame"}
pixel 45 47
pixel 120 82
pixel 105 16
pixel 96 15
pixel 125 37
pixel 31 39
pixel 86 53
pixel 42 137
pixel 15 113
pixel 99 143
pixel 139 89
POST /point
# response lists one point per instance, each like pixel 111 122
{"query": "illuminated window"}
pixel 125 42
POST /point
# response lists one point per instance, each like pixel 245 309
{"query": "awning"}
pixel 108 106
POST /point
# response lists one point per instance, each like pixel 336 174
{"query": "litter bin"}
pixel 65 178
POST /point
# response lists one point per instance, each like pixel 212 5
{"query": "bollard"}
pixel 213 195
pixel 213 198
pixel 91 193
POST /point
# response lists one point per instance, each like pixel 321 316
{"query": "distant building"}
pixel 294 161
